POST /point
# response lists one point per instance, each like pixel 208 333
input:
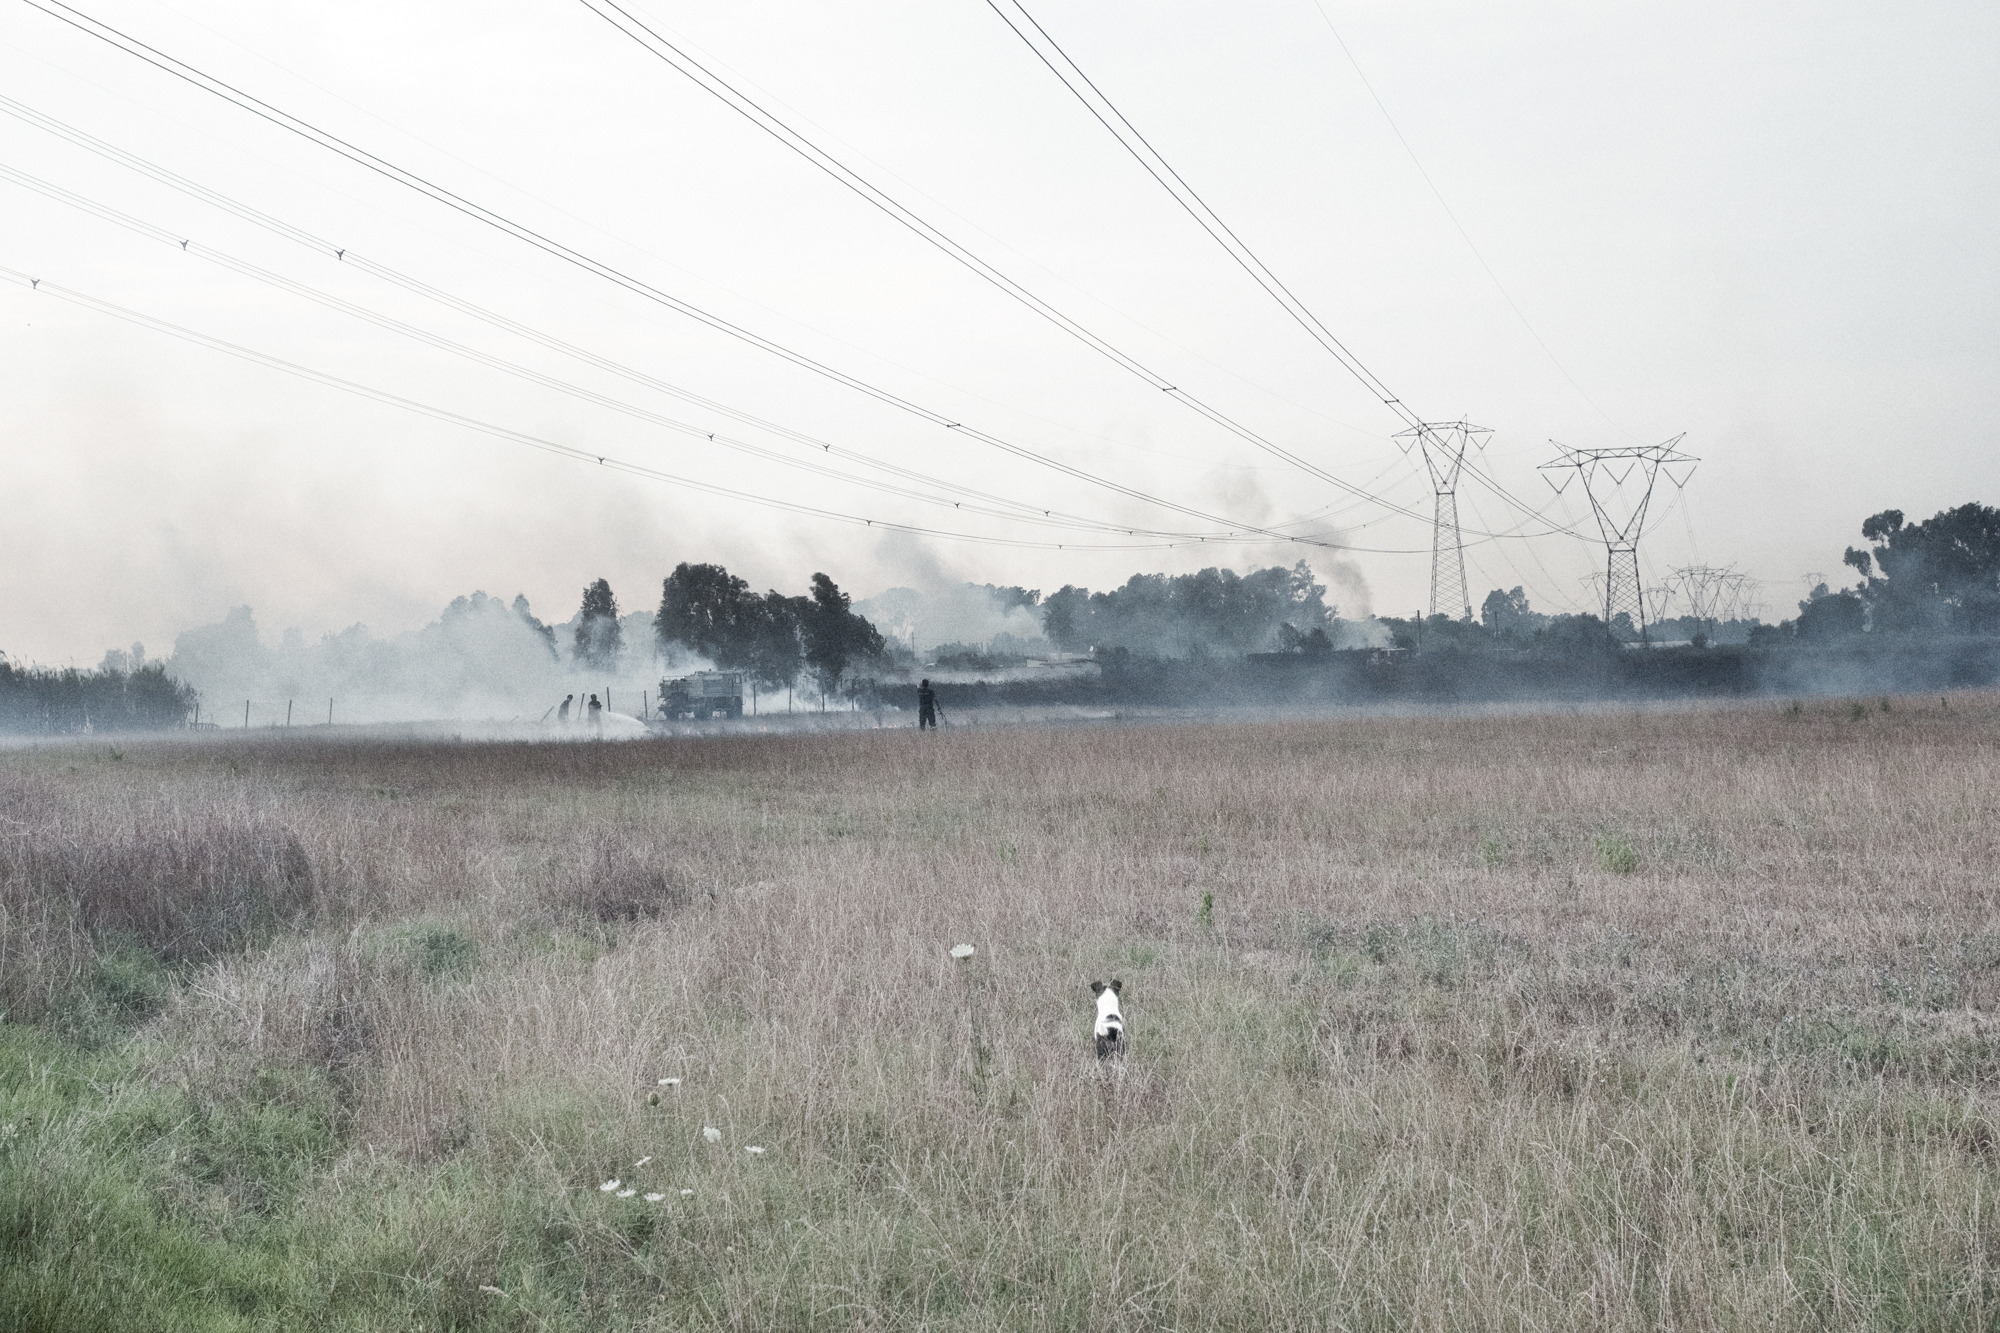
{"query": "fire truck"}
pixel 703 695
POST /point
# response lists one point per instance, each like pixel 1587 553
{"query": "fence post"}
pixel 329 712
pixel 288 715
pixel 246 715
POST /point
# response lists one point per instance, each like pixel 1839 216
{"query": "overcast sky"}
pixel 1770 227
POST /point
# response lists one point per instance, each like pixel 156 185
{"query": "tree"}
pixel 772 633
pixel 1011 598
pixel 1214 610
pixel 1576 635
pixel 1066 618
pixel 1830 615
pixel 546 633
pixel 704 607
pixel 833 635
pixel 599 640
pixel 1508 613
pixel 1941 575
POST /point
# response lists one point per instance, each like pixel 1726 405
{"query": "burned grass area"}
pixel 1618 1018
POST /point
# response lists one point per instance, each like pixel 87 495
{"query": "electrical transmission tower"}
pixel 1444 444
pixel 1620 510
pixel 1712 594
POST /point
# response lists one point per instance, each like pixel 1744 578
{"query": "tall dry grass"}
pixel 1666 1019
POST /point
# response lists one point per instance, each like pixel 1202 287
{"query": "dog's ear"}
pixel 1096 988
pixel 1117 986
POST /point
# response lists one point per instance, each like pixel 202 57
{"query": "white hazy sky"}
pixel 1769 226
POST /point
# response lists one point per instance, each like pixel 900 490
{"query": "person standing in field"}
pixel 596 716
pixel 562 714
pixel 927 705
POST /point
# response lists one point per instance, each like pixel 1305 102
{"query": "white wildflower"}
pixel 626 1194
pixel 961 951
pixel 643 1160
pixel 754 1150
pixel 492 1291
pixel 687 1194
pixel 711 1133
pixel 654 1198
pixel 609 1186
pixel 670 1083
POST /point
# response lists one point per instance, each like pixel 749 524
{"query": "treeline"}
pixel 45 701
pixel 778 639
pixel 1939 577
pixel 774 639
pixel 1934 579
pixel 1215 612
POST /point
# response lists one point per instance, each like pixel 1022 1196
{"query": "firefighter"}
pixel 596 715
pixel 562 714
pixel 927 705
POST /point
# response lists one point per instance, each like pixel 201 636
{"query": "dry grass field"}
pixel 1673 1019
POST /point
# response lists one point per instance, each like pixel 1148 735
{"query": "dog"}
pixel 1110 1029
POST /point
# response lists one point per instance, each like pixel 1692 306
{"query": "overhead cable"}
pixel 1464 235
pixel 1107 114
pixel 351 259
pixel 981 502
pixel 333 143
pixel 577 453
pixel 1051 54
pixel 678 59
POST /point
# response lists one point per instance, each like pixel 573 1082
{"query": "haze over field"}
pixel 1767 228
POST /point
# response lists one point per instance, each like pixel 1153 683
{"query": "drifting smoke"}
pixel 1212 613
pixel 975 615
pixel 482 659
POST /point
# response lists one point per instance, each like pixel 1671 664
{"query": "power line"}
pixel 411 180
pixel 1464 235
pixel 1011 509
pixel 1105 112
pixel 1151 452
pixel 679 60
pixel 42 286
pixel 353 259
pixel 1197 208
pixel 350 259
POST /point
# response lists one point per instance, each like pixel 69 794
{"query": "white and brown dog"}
pixel 1110 1029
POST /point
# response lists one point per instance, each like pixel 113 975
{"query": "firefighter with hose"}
pixel 928 710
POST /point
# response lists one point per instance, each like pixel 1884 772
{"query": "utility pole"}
pixel 1621 519
pixel 1444 444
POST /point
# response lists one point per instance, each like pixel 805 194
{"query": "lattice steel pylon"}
pixel 1621 519
pixel 1444 444
pixel 1712 594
